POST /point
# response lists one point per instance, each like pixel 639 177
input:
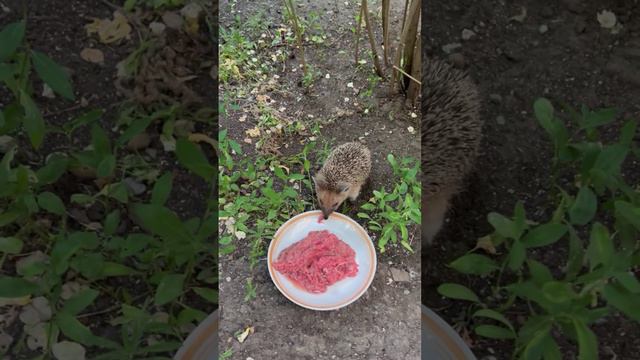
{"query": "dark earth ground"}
pixel 514 63
pixel 384 323
pixel 57 28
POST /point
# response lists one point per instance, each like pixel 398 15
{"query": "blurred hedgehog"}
pixel 344 172
pixel 451 132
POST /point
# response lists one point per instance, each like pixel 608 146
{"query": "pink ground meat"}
pixel 319 260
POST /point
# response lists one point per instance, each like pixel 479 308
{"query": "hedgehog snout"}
pixel 326 212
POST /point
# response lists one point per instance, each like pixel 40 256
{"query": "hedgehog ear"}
pixel 343 187
pixel 319 180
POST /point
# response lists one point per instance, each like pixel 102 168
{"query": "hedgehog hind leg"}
pixel 434 209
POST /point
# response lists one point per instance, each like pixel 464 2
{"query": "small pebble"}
pixel 467 34
pixel 500 120
pixel 458 60
pixel 450 47
pixel 543 28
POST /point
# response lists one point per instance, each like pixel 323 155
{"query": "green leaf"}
pixel 80 301
pixel 119 192
pixel 558 292
pixel 210 295
pixel 542 345
pixel 540 274
pixel 611 158
pixel 457 291
pixel 170 287
pixel 53 170
pixel 10 245
pixel 84 119
pixel 503 226
pixel 587 342
pixel 623 300
pixel 89 265
pixel 100 141
pixel 544 235
pixel 626 279
pixel 529 291
pixel 106 166
pixel 111 222
pixel 584 208
pixel 11 37
pixel 629 213
pixel 129 5
pixel 137 127
pixel 543 109
pixel 474 264
pixel 161 221
pixel 162 189
pixel 494 332
pixel 600 250
pixel 535 326
pixel 11 287
pixel 7 73
pixel 627 133
pixel 517 255
pixel 598 118
pixel 9 217
pixel 33 122
pixel 576 254
pixel 76 331
pixel 82 199
pixel 492 314
pixel 66 247
pixel 191 156
pixel 51 203
pixel 52 74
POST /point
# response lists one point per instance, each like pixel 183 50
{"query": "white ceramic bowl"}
pixel 345 291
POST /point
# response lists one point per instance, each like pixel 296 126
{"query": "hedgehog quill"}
pixel 450 134
pixel 344 172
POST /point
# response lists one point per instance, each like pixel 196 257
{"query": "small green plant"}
pixel 17 60
pixel 256 197
pixel 393 213
pixel 250 290
pixel 310 77
pixel 237 56
pixel 597 277
pixel 166 256
pixel 226 354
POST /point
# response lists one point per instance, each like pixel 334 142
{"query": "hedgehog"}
pixel 342 175
pixel 450 133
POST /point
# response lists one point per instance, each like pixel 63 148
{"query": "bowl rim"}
pixel 341 217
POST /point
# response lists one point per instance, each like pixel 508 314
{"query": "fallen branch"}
pixel 407 75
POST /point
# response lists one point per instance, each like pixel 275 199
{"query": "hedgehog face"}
pixel 330 199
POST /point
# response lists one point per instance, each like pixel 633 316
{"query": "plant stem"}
pixel 296 26
pixel 359 26
pixel 367 22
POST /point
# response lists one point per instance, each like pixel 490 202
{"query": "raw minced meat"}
pixel 319 260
